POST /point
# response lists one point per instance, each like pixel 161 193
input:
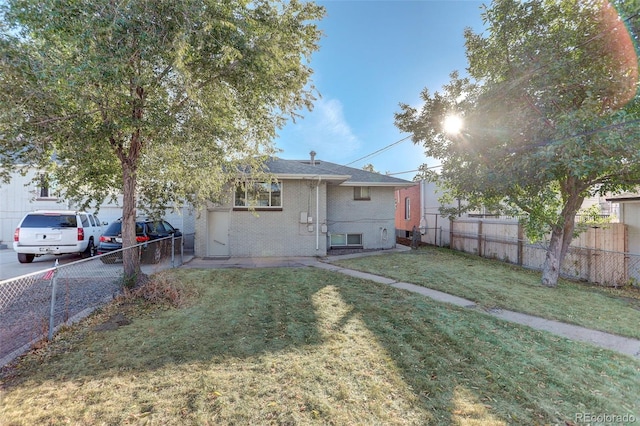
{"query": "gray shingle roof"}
pixel 304 168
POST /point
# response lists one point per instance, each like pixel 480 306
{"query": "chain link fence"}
pixel 34 306
pixel 603 267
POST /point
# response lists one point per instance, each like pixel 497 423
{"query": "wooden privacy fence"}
pixel 598 255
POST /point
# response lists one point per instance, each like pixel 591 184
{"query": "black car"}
pixel 147 230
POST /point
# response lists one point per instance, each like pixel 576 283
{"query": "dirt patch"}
pixel 342 251
pixel 407 242
pixel 113 323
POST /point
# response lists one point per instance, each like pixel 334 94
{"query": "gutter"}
pixel 317 214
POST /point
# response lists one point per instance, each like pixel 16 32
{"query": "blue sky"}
pixel 375 55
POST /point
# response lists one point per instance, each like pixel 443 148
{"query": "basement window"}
pixel 346 240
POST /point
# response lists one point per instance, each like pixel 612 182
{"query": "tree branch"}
pixel 67 117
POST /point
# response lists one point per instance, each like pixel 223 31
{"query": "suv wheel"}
pixel 25 257
pixel 90 251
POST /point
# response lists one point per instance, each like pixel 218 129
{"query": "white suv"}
pixel 56 232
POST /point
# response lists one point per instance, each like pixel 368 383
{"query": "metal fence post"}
pixel 54 283
pixel 173 251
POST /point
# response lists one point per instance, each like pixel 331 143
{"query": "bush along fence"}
pixel 598 255
pixel 34 306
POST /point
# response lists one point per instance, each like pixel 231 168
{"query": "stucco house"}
pixel 312 208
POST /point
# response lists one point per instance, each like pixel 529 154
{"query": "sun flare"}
pixel 452 124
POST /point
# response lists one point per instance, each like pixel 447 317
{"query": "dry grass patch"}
pixel 163 288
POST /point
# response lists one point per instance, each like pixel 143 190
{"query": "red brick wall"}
pixel 402 224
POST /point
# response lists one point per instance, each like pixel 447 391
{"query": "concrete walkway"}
pixel 624 345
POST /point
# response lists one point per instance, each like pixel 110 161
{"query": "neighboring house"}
pixel 23 194
pixel 20 196
pixel 628 209
pixel 313 207
pixel 419 206
pixel 606 207
pixel 408 210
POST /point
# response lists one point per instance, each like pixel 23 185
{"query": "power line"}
pixel 402 173
pixel 380 150
pixel 416 170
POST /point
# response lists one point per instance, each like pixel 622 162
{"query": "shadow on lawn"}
pixel 448 363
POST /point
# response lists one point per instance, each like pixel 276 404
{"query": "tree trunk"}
pixel 130 257
pixel 130 160
pixel 561 237
pixel 553 259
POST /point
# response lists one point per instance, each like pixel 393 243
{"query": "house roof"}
pixel 335 173
pixel 626 196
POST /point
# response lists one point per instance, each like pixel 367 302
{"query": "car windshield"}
pixel 50 221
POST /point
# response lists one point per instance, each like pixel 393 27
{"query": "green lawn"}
pixel 302 346
pixel 495 284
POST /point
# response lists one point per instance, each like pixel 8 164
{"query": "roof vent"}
pixel 313 158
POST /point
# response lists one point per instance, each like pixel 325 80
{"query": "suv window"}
pixel 85 220
pixel 49 221
pixel 168 227
pixel 158 228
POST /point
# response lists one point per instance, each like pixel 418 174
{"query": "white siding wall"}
pixel 182 218
pixel 630 216
pixel 374 218
pixel 17 198
pixel 438 227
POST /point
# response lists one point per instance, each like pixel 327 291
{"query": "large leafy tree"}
pixel 156 99
pixel 549 114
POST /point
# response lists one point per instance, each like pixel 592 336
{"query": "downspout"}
pixel 317 214
pixel 423 200
pixel 423 209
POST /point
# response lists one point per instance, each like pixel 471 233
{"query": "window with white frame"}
pixel 407 208
pixel 259 195
pixel 45 188
pixel 361 193
pixel 346 240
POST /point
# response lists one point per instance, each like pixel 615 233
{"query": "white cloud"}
pixel 324 130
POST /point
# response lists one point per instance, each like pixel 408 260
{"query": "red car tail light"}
pixel 142 238
pixel 80 234
pixel 104 239
pixel 16 235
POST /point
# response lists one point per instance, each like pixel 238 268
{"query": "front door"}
pixel 218 233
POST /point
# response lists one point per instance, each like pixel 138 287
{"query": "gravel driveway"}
pixel 25 318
